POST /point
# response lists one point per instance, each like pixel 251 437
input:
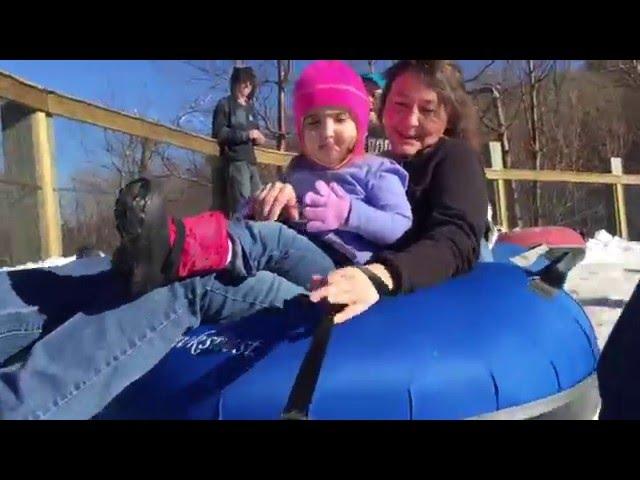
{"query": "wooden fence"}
pixel 28 143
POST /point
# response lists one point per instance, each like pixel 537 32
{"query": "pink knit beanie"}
pixel 332 83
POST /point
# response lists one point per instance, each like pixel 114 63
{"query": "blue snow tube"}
pixel 487 344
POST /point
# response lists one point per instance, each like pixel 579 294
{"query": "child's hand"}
pixel 328 209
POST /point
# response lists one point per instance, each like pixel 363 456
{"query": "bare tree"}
pixel 285 68
pixel 483 70
pixel 131 157
pixel 214 76
pixel 500 127
pixel 497 121
pixel 628 71
pixel 527 108
pixel 274 79
pixel 535 74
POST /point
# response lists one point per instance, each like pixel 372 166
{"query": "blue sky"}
pixel 155 89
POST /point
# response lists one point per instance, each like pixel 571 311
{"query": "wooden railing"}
pixel 55 104
pixel 616 178
pixel 30 162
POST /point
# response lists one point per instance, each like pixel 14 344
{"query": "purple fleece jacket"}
pixel 380 212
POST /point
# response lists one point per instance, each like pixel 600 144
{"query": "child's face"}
pixel 329 136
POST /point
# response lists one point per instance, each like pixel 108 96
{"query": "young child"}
pixel 352 203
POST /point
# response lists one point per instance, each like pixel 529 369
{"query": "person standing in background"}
pixel 236 128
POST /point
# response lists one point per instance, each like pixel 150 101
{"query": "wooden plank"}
pixel 35 231
pixel 620 202
pixel 562 176
pixel 23 221
pixel 129 124
pixel 53 103
pixel 495 152
pixel 27 94
pixel 18 183
pixel 48 203
pixel 273 157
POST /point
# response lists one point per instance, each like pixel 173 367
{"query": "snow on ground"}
pixel 605 279
pixel 51 262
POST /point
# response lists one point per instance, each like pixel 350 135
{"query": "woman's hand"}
pixel 350 287
pixel 274 199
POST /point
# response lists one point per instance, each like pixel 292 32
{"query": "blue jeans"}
pixel 89 343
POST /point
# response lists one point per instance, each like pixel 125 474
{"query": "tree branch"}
pixel 174 172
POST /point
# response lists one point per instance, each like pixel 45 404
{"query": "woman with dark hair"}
pixel 432 127
pixel 235 126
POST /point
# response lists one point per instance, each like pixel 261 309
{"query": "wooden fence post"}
pixel 495 152
pixel 619 200
pixel 35 229
pixel 218 183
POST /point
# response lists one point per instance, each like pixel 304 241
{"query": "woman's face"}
pixel 413 117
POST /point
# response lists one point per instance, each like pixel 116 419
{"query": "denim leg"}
pixel 279 249
pixel 73 372
pixel 34 301
pixel 20 323
pixel 18 330
pixel 225 302
pixel 76 370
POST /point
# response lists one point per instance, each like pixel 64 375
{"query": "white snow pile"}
pixel 50 262
pixel 605 248
pixel 605 279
